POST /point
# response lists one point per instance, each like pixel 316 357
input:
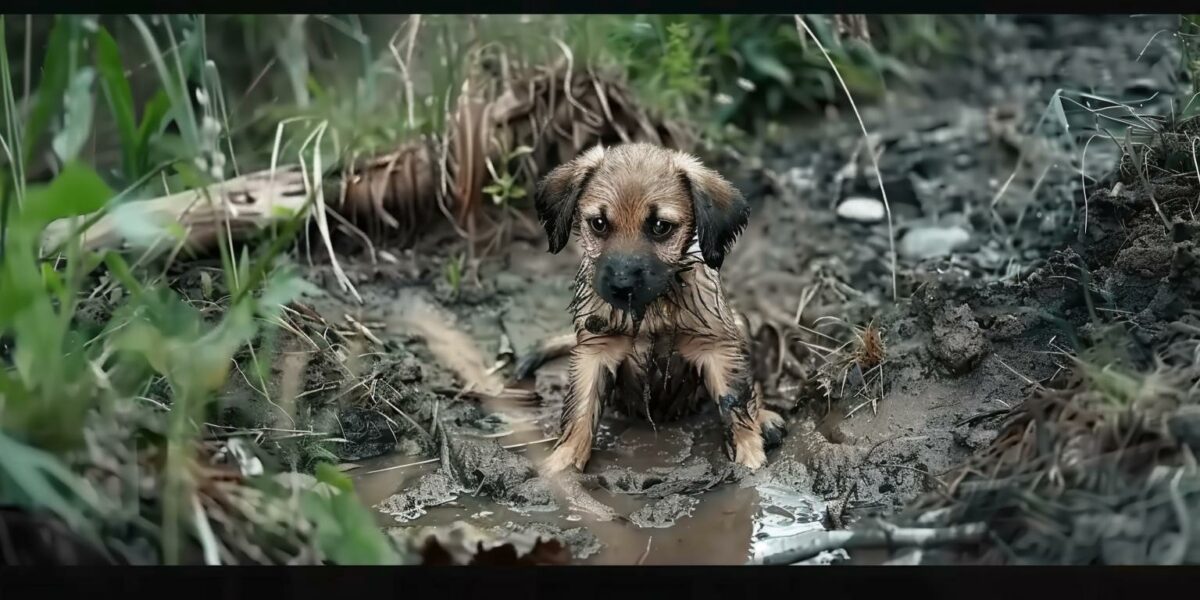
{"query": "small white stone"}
pixel 931 242
pixel 863 210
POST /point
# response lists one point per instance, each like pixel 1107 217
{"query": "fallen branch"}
pixel 250 202
pixel 800 547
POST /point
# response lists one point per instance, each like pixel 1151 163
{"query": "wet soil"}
pixel 985 193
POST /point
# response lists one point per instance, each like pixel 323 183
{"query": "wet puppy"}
pixel 653 331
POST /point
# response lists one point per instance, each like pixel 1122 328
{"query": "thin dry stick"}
pixel 802 27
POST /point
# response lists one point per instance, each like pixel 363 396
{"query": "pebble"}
pixel 863 210
pixel 931 242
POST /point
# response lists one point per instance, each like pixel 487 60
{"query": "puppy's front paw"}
pixel 773 427
pixel 748 449
pixel 562 459
pixel 751 456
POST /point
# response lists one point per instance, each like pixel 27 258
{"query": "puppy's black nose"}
pixel 623 279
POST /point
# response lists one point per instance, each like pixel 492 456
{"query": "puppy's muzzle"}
pixel 630 281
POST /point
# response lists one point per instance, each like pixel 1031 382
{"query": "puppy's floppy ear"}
pixel 720 211
pixel 558 193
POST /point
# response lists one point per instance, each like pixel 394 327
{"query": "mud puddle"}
pixel 666 502
pixel 969 336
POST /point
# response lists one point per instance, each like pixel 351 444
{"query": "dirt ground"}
pixel 988 210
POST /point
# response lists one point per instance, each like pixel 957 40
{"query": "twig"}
pixel 886 536
pixel 646 552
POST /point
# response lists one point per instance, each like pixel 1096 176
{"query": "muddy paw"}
pixel 751 456
pixel 774 429
pixel 562 459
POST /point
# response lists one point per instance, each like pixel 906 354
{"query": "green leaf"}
pixel 119 269
pixel 36 480
pixel 282 288
pixel 77 121
pixel 77 190
pixel 767 64
pixel 120 100
pixel 154 120
pixel 329 474
pixel 53 82
pixel 346 531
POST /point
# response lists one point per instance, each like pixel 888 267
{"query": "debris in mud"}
pixel 464 544
pixel 484 466
pixel 958 341
pixel 665 511
pixel 581 542
pixel 429 490
pixel 367 435
pixel 695 475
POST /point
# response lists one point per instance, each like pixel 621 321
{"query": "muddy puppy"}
pixel 653 330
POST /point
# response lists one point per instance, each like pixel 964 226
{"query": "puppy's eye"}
pixel 598 224
pixel 660 228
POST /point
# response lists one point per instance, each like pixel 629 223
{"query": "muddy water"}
pixel 726 525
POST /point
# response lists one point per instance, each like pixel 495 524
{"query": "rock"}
pixel 932 242
pixel 863 210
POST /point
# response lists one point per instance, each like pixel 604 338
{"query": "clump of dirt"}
pixel 694 475
pixel 665 511
pixel 485 467
pixel 430 489
pixel 582 543
pixel 958 342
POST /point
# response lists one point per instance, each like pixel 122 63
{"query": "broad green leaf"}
pixel 77 191
pixel 120 100
pixel 77 120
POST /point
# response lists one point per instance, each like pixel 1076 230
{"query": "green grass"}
pixel 59 374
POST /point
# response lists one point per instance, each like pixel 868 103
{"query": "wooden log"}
pixel 248 203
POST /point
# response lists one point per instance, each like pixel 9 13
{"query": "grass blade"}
pixel 120 100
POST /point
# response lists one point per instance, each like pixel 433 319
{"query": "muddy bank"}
pixel 985 192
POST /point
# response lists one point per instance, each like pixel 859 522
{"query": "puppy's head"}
pixel 638 210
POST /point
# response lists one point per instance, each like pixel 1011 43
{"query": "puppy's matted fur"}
pixel 653 331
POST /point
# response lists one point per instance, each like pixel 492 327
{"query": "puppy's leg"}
pixel 772 424
pixel 593 365
pixel 723 364
pixel 545 351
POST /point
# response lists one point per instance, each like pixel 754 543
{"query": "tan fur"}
pixel 631 187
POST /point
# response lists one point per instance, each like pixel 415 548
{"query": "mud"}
pixel 984 189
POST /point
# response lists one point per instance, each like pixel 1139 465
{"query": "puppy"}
pixel 652 329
